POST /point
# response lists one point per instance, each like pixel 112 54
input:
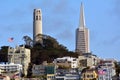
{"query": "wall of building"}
pixel 20 55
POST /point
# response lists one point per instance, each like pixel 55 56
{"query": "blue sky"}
pixel 60 20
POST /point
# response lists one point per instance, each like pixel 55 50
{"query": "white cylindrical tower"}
pixel 37 25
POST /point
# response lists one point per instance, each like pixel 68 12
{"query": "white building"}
pixel 82 35
pixel 68 77
pixel 19 55
pixel 67 61
pixel 107 63
pixel 10 68
pixel 106 69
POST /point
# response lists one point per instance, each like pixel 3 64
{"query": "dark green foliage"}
pixel 3 54
pixel 117 67
pixel 49 50
pixel 29 70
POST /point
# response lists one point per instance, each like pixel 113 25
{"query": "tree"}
pixel 28 40
pixel 3 54
pixel 49 50
pixel 117 67
pixel 29 70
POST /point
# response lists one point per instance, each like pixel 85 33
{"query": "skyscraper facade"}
pixel 82 34
pixel 37 25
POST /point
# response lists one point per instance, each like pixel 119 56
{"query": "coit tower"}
pixel 37 25
pixel 82 34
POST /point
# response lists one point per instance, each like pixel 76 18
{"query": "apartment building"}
pixel 87 60
pixel 19 55
pixel 69 62
pixel 10 68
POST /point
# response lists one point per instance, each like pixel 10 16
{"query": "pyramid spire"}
pixel 82 17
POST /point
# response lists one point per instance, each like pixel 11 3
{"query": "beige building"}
pixel 87 60
pixel 68 62
pixel 19 55
pixel 82 35
pixel 37 25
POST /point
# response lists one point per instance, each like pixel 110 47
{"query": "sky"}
pixel 61 19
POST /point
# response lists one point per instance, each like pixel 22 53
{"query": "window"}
pixel 36 17
pixel 22 51
pixel 10 52
pixel 74 59
pixel 87 76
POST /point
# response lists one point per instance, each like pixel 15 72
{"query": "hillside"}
pixel 47 50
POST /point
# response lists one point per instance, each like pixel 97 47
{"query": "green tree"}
pixel 48 50
pixel 3 54
pixel 117 67
pixel 29 70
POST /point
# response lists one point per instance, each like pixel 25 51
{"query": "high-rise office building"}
pixel 37 25
pixel 82 34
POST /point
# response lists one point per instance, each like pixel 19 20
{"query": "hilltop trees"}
pixel 47 50
pixel 28 40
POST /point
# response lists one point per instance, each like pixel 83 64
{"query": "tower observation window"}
pixel 36 17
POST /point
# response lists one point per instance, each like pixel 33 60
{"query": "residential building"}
pixel 89 74
pixel 10 68
pixel 107 63
pixel 106 69
pixel 82 35
pixel 69 62
pixel 87 60
pixel 19 55
pixel 38 70
pixel 44 69
pixel 67 74
pixel 50 72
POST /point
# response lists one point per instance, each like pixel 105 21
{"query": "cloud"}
pixel 14 19
pixel 65 35
pixel 7 28
pixel 26 28
pixel 61 7
pixel 67 38
pixel 117 6
pixel 116 9
pixel 113 41
pixel 47 3
pixel 58 17
pixel 16 28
